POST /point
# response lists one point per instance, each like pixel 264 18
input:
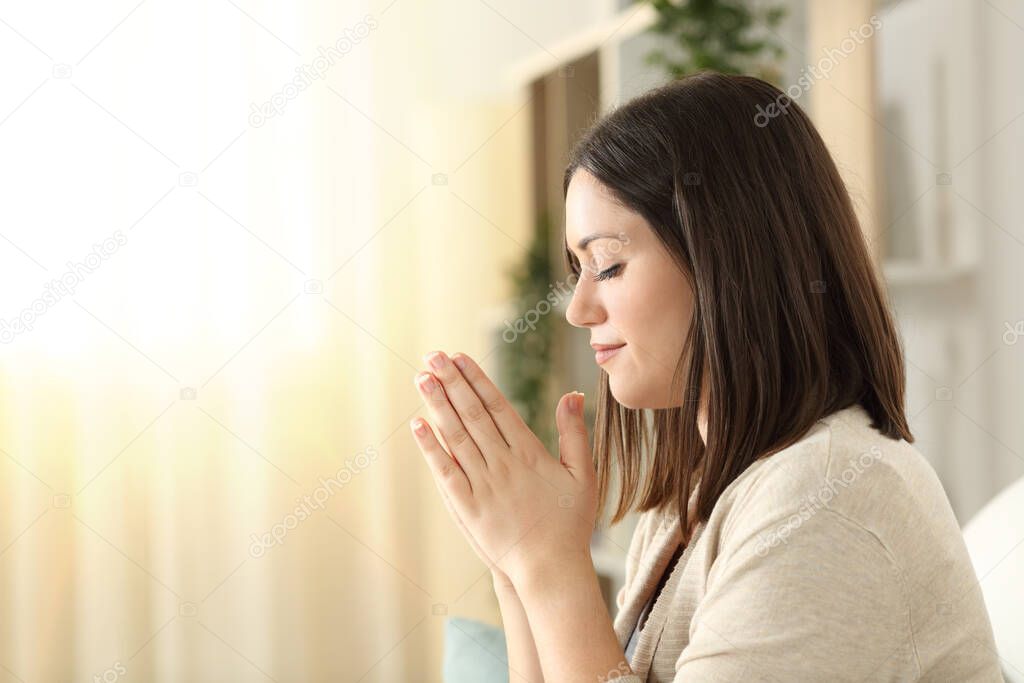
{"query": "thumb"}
pixel 573 442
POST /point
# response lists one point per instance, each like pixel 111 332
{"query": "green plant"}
pixel 527 360
pixel 730 36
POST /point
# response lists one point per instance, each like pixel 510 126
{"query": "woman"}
pixel 789 531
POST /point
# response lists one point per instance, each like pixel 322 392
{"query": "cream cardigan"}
pixel 836 559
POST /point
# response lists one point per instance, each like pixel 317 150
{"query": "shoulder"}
pixel 843 543
pixel 842 465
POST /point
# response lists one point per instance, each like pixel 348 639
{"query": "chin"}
pixel 628 396
pixel 635 398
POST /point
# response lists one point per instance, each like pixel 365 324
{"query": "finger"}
pixel 450 478
pixel 573 441
pixel 505 417
pixel 474 415
pixel 459 441
pixel 462 526
pixel 449 505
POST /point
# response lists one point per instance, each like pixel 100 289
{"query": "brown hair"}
pixel 790 321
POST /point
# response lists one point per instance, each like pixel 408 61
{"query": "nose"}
pixel 584 310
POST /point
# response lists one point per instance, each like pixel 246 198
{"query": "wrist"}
pixel 557 576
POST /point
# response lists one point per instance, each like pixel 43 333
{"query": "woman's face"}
pixel 642 300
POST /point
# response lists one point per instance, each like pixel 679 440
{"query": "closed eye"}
pixel 608 273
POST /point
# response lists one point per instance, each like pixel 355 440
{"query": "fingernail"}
pixel 426 382
pixel 460 362
pixel 436 360
pixel 576 402
pixel 418 426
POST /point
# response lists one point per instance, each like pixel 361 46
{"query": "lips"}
pixel 604 352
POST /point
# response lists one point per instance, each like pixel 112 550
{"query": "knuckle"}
pixel 458 437
pixel 446 471
pixel 495 405
pixel 475 412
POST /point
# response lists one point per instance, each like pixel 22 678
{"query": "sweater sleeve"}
pixel 821 601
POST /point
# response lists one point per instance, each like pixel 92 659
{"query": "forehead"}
pixel 590 208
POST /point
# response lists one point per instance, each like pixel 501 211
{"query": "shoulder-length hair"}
pixel 790 322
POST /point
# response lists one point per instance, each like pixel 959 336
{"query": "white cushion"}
pixel 995 541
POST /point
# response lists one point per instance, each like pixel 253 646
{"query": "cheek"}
pixel 638 310
pixel 656 314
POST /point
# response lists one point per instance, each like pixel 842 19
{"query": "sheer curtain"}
pixel 226 231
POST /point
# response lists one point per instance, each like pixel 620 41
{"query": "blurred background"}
pixel 230 230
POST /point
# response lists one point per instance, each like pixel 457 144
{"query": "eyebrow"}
pixel 582 245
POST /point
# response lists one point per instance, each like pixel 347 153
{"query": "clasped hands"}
pixel 524 512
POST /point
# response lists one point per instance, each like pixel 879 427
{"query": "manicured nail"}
pixel 436 360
